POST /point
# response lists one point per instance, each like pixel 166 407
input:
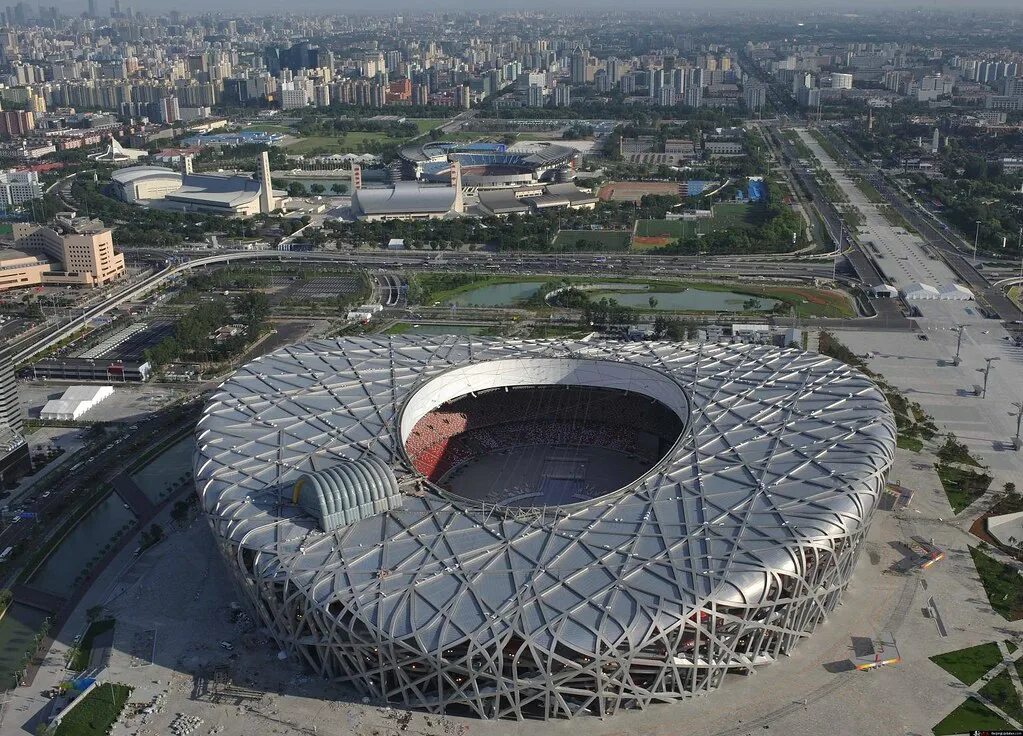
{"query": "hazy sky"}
pixel 361 6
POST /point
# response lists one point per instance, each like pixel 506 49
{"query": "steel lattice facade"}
pixel 722 558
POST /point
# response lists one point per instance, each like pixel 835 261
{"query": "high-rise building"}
pixel 10 407
pixel 655 81
pixel 562 96
pixel 579 65
pixel 535 96
pixel 615 68
pixel 694 88
pixel 18 187
pixel 16 123
pixel 754 95
pixel 14 454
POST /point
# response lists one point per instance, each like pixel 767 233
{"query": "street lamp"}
pixel 1019 247
pixel 1019 422
pixel 976 237
pixel 987 370
pixel 959 343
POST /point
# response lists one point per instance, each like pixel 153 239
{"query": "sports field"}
pixel 602 239
pixel 656 233
pixel 634 191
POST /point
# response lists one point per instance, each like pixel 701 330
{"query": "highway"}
pixel 931 230
pixel 861 263
pixel 504 263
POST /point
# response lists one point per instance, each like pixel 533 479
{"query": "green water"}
pixel 498 295
pixel 79 550
pixel 159 477
pixel 17 632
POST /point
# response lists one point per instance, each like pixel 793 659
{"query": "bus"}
pixel 6 554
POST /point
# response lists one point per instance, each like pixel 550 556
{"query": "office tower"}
pixel 694 88
pixel 10 407
pixel 14 455
pixel 535 96
pixel 754 95
pixel 578 65
pixel 655 81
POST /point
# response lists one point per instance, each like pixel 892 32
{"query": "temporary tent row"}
pixel 75 402
pixel 950 292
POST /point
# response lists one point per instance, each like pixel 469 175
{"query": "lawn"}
pixel 967 665
pixel 603 239
pixel 802 150
pixel 425 125
pixel 83 651
pixel 909 442
pixel 970 716
pixel 354 142
pixel 727 215
pixel 737 214
pixel 96 712
pixel 895 219
pixel 869 191
pixel 268 128
pixel 954 451
pixel 962 486
pixel 1002 693
pixel 824 142
pixel 1003 585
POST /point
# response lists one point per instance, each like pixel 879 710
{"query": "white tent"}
pixel 920 290
pixel 955 293
pixel 884 290
pixel 75 402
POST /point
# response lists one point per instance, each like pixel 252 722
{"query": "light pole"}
pixel 1019 422
pixel 838 250
pixel 976 237
pixel 1019 247
pixel 959 343
pixel 987 370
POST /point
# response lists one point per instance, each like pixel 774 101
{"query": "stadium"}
pixel 541 529
pixel 487 165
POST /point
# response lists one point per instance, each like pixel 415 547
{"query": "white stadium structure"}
pixel 541 529
pixel 164 188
